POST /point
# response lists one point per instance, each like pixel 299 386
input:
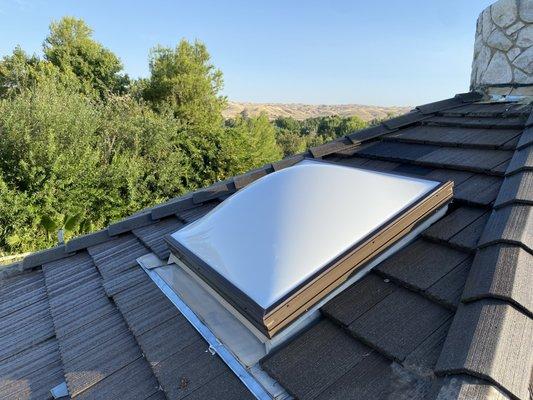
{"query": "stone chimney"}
pixel 503 51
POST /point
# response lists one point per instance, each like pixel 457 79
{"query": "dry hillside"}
pixel 303 111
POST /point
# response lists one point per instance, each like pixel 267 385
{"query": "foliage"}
pixel 249 142
pixel 184 80
pixel 295 136
pixel 71 48
pixel 81 146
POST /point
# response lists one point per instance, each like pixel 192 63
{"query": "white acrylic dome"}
pixel 271 236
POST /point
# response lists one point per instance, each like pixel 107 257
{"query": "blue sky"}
pixel 369 52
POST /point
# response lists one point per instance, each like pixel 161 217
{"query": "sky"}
pixel 384 53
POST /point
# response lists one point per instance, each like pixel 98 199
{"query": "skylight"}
pixel 277 247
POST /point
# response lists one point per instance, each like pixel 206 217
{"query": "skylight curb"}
pixel 277 305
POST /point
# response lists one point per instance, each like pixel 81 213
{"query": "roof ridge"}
pixel 229 186
pixel 484 297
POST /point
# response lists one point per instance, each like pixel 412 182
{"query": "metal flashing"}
pixel 59 391
pixel 214 344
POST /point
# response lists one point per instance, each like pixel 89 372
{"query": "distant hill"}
pixel 304 111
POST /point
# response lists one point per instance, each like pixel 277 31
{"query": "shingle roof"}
pixel 86 313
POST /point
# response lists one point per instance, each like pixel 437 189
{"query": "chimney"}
pixel 503 51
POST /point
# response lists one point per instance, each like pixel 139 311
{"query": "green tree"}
pixel 184 80
pixel 17 71
pixel 350 125
pixel 249 143
pixel 71 48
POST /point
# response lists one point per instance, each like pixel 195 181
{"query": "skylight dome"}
pixel 279 245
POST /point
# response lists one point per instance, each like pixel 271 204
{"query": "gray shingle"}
pixel 15 296
pixel 511 224
pixel 478 190
pixel 172 206
pixel 526 139
pixel 367 134
pixel 193 214
pixel 93 336
pixel 358 299
pixel 124 281
pixel 331 147
pixel 468 159
pixel 491 340
pixel 167 340
pixel 134 381
pixel 522 161
pixel 501 272
pixel 213 192
pixel 153 235
pixel 453 223
pixel 370 379
pixel 40 257
pixel 466 137
pixel 424 357
pixel 444 175
pixel 391 151
pixel 243 180
pixel 150 315
pixel 398 324
pixel 188 370
pixel 517 188
pixel 481 123
pixel 224 386
pixel 449 288
pixel 421 264
pixel 117 255
pixel 84 241
pixel 90 368
pixel 441 105
pixel 468 238
pixel 126 225
pixel 405 120
pixel 315 360
pixel 137 296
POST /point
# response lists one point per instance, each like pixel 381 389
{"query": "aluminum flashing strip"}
pixel 214 344
pixel 59 391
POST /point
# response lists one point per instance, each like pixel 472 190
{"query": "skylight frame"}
pixel 271 320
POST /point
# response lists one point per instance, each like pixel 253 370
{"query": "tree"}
pixel 350 125
pixel 71 48
pixel 249 143
pixel 184 80
pixel 17 71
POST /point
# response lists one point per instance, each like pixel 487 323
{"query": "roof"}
pixel 447 317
